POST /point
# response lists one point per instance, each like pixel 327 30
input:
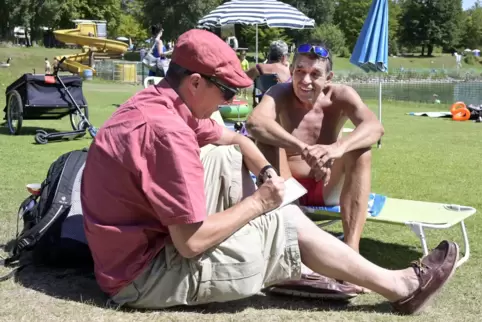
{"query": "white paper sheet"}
pixel 293 191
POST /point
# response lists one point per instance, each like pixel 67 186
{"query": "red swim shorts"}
pixel 314 197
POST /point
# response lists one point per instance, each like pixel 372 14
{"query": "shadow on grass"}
pixel 81 286
pixel 26 130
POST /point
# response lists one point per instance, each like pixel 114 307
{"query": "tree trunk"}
pixel 429 50
pixel 423 50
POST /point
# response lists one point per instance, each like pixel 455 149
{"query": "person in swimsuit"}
pixel 278 58
pixel 297 126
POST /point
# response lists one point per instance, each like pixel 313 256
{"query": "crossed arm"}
pixel 368 129
pixel 263 125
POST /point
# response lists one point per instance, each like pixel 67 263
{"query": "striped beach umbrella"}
pixel 271 13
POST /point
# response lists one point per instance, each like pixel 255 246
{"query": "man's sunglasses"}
pixel 228 92
pixel 318 50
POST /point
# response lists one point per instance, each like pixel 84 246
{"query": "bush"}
pixel 332 35
pixel 344 52
pixel 393 47
pixel 470 60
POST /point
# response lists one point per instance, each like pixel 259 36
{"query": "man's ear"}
pixel 329 77
pixel 194 81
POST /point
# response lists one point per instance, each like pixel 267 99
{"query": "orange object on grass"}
pixel 459 112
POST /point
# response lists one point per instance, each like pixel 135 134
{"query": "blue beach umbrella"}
pixel 371 49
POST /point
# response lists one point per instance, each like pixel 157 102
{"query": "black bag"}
pixel 44 218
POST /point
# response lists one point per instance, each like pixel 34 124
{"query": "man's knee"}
pixel 225 163
pixel 296 216
pixel 221 156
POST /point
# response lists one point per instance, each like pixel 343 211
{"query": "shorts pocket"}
pixel 229 282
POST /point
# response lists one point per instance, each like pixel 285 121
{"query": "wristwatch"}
pixel 262 174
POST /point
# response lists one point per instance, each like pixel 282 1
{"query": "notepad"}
pixel 293 191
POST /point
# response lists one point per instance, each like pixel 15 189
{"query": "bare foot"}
pixel 408 283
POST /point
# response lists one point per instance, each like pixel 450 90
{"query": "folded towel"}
pixel 431 114
pixel 375 206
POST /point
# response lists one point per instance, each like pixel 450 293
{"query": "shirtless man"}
pixel 297 126
pixel 278 57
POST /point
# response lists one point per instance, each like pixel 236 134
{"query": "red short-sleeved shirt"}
pixel 143 172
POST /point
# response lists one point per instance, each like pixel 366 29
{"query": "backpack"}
pixel 53 231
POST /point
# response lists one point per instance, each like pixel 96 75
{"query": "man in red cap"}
pixel 168 227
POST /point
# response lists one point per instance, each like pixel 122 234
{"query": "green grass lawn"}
pixel 421 159
pixel 26 59
pixel 438 61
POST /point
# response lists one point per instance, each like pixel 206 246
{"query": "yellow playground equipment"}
pixel 92 35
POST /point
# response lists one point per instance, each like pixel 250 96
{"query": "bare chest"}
pixel 319 125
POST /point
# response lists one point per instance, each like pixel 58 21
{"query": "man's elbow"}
pixel 189 249
pixel 253 125
pixel 184 240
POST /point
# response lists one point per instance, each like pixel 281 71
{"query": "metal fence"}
pixel 121 71
pixel 443 86
pixel 423 91
pixel 424 86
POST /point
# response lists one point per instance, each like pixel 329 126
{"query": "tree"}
pixel 472 27
pixel 430 23
pixel 57 14
pixel 322 11
pixel 394 13
pixel 177 16
pixel 129 26
pixel 350 16
pixel 331 35
pixel 132 21
pixel 265 37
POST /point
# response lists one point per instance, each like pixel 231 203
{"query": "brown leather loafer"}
pixel 316 286
pixel 433 271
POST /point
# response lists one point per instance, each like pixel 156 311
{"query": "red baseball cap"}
pixel 203 52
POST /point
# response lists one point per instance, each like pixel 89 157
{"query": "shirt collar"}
pixel 169 94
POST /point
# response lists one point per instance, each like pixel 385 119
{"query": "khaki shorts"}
pixel 260 254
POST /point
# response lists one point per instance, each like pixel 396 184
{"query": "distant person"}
pixel 232 41
pixel 48 67
pixel 458 60
pixel 142 53
pixel 245 67
pixel 278 63
pixel 244 61
pixel 158 49
pixel 55 64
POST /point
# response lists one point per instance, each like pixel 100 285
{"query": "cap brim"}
pixel 239 79
pixel 243 81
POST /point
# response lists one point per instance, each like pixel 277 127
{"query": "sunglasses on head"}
pixel 228 92
pixel 318 50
